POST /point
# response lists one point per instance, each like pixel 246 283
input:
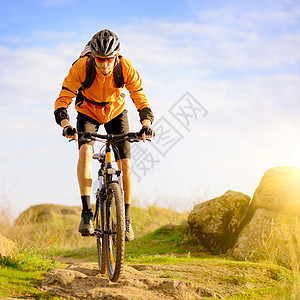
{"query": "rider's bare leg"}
pixel 84 169
pixel 84 173
pixel 127 180
pixel 127 187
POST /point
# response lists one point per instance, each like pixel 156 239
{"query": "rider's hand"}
pixel 70 132
pixel 146 132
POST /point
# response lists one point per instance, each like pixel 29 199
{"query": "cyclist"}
pixel 102 104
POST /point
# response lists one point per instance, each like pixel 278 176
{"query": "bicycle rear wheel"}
pixel 99 233
pixel 114 240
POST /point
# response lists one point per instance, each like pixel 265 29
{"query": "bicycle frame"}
pixel 105 176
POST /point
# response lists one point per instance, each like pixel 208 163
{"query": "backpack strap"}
pixel 90 74
pixel 118 73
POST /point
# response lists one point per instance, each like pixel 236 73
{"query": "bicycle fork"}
pixel 101 207
pixel 104 204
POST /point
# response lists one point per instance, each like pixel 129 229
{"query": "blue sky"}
pixel 239 60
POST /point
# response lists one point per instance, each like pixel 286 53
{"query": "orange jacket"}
pixel 103 89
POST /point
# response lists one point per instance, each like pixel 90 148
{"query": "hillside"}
pixel 49 226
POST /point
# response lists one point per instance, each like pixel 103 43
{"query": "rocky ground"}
pixel 193 280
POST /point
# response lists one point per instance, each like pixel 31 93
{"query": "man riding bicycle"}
pixel 102 103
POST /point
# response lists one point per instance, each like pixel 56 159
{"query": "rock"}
pixel 207 293
pixel 269 236
pixel 62 277
pixel 7 247
pixel 273 233
pixel 216 222
pixel 83 281
pixel 279 190
pixel 46 213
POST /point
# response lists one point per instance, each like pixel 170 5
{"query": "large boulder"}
pixel 273 233
pixel 216 223
pixel 7 247
pixel 279 190
pixel 47 213
pixel 269 236
pixel 48 225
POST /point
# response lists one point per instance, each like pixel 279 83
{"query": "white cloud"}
pixel 250 15
pixel 253 110
pixel 34 75
pixel 204 46
pixel 153 46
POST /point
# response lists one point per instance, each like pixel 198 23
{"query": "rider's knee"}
pixel 85 152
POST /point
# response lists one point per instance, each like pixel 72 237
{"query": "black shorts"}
pixel 118 125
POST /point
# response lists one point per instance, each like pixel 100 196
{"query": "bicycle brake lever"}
pixel 86 136
pixel 133 138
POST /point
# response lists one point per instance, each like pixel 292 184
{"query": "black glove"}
pixel 69 131
pixel 147 130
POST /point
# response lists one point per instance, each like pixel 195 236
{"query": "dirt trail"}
pixel 194 280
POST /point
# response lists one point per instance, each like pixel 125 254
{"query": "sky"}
pixel 222 78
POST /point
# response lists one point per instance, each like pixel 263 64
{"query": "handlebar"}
pixel 130 136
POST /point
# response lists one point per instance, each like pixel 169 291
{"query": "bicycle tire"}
pixel 114 241
pixel 100 241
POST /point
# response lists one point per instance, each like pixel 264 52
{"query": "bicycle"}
pixel 109 212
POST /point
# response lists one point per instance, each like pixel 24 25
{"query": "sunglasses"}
pixel 107 59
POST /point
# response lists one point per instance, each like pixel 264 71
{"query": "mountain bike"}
pixel 109 216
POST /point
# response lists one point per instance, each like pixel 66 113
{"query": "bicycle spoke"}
pixel 115 239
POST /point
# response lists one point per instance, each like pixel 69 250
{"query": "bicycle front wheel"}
pixel 114 239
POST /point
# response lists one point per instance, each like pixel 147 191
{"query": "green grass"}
pixel 88 253
pixel 22 275
pixel 282 289
pixel 161 241
pixel 164 245
pixel 157 242
pixel 272 293
pixel 161 246
pixel 147 220
pixel 159 259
